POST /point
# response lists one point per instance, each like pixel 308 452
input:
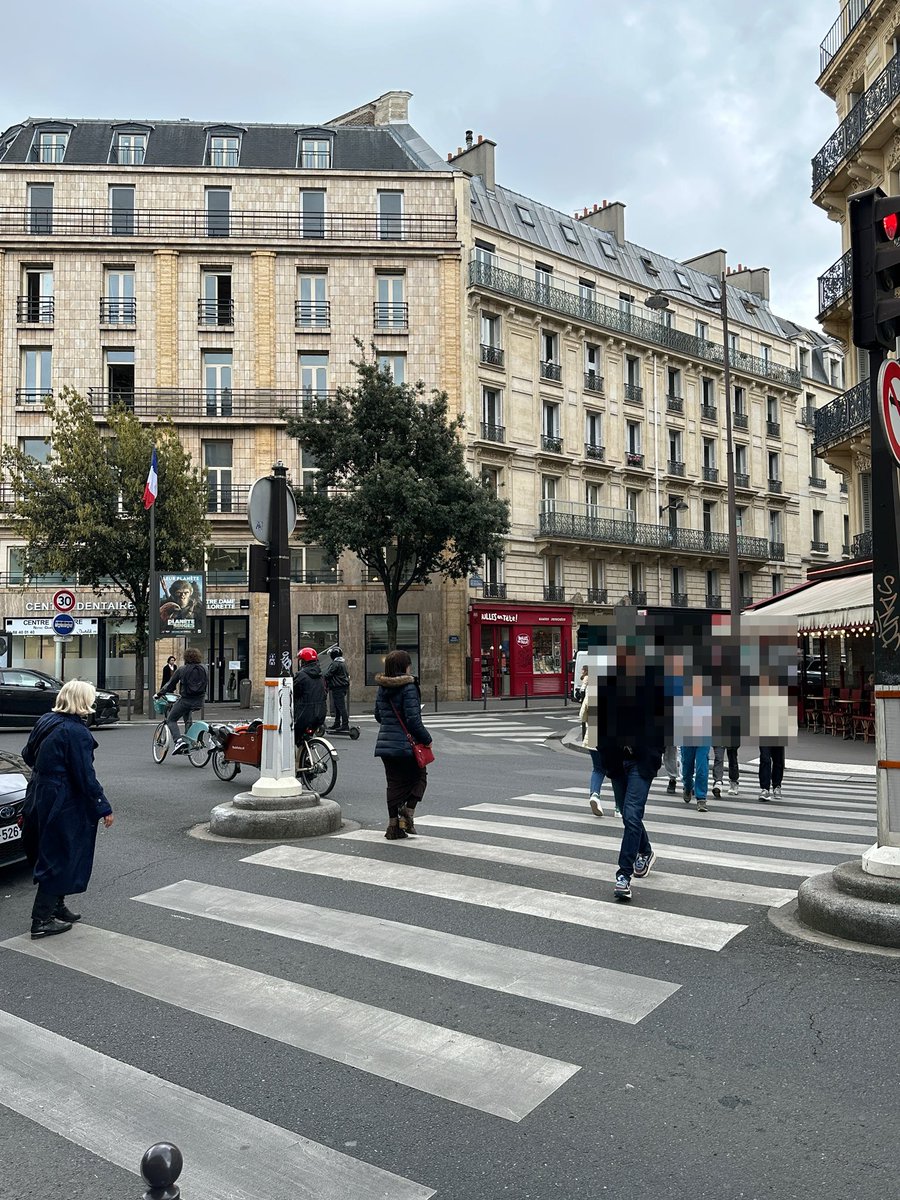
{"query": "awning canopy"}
pixel 842 603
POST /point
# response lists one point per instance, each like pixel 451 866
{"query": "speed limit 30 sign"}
pixel 64 600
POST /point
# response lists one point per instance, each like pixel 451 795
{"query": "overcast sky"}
pixel 701 115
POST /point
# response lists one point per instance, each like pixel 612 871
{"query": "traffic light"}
pixel 875 247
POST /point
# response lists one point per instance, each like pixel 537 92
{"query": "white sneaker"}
pixel 776 793
pixel 764 794
pixel 733 789
pixel 595 804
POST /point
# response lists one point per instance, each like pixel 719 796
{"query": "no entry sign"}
pixel 889 405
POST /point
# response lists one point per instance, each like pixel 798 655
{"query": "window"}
pixel 38 300
pixel 553 590
pixel 633 503
pixel 312 306
pixel 51 147
pixel 120 375
pixel 648 265
pixel 217 459
pixel 777 583
pixel 549 488
pixel 18 574
pixel 395 365
pixel 593 429
pixel 712 585
pixel 226 564
pixel 218 210
pixel 746 585
pixel 708 391
pixel 626 303
pixel 549 347
pixel 633 437
pixel 666 318
pixel 525 216
pixel 312 213
pixel 377 642
pixel 313 377
pixel 673 381
pixel 319 631
pixel 216 305
pixel 224 150
pixel 636 575
pixel 774 465
pixel 733 344
pixel 592 497
pixel 709 516
pixel 591 360
pixel 803 360
pixel 309 471
pixel 595 575
pixel 683 279
pixel 607 248
pixel 765 353
pixel 36 373
pixel 836 372
pixel 569 234
pixel 315 154
pixel 543 278
pixel 740 460
pixel 485 254
pixel 774 525
pixel 709 453
pixel 632 371
pixel 701 330
pixel 121 210
pixel 130 149
pixel 490 480
pixel 490 330
pixel 740 401
pixel 390 306
pixel 390 216
pixel 846 521
pixel 217 368
pixel 675 446
pixel 740 519
pixel 40 208
pixel 587 293
pixel 865 499
pixel 312 564
pixel 772 409
pixel 679 583
pixel 36 448
pixel 491 413
pixel 818 519
pixel 550 426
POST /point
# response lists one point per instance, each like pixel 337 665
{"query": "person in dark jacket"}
pixel 398 703
pixel 169 670
pixel 192 679
pixel 66 801
pixel 337 680
pixel 310 705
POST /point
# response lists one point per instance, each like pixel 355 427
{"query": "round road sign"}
pixel 63 624
pixel 889 405
pixel 64 600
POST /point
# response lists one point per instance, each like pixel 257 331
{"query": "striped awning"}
pixel 842 603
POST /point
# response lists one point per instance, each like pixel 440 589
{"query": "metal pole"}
pixel 734 570
pixel 153 614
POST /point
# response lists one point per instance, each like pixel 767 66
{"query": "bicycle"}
pixel 316 763
pixel 200 743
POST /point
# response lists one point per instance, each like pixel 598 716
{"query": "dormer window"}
pixel 50 146
pixel 130 149
pixel 683 280
pixel 607 248
pixel 315 153
pixel 569 234
pixel 224 150
pixel 648 265
pixel 525 216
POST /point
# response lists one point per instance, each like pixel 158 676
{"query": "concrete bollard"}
pixel 160 1167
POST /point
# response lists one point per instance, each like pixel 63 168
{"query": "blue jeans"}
pixel 695 769
pixel 631 791
pixel 597 775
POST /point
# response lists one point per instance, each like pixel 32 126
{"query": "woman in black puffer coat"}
pixel 398 700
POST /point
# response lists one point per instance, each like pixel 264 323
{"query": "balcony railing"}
pixel 818 547
pixel 740 420
pixel 227 497
pixel 390 316
pixel 551 370
pixel 588 522
pixel 674 467
pixel 807 416
pixel 775 486
pixel 634 598
pixel 710 474
pixel 773 429
pixel 776 551
pixel 551 443
pixel 248 404
pixel 33 396
pixel 597 595
pixel 34 310
pixel 593 382
pixel 215 312
pixel 713 600
pixel 834 285
pixel 746 600
pixel 845 550
pixel 169 223
pixel 597 453
pixel 844 487
pixel 815 481
pixel 849 414
pixel 741 480
pixel 862 545
pixel 634 392
pixel 633 459
pixel 571 304
pixel 114 311
pixel 492 433
pixel 492 356
pixel 494 591
pixel 850 16
pixel 709 412
pixel 312 314
pixel 326 575
pixel 675 404
pixel 872 104
pixel 679 599
pixel 553 592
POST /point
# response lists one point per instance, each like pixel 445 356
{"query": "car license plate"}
pixel 9 833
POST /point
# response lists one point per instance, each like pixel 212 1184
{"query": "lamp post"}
pixel 659 300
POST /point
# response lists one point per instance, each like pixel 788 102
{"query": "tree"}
pixel 392 486
pixel 83 513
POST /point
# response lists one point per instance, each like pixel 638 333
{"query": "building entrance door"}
pixel 229 644
pixel 495 660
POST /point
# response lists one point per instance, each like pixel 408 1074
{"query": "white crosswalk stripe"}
pixel 489 726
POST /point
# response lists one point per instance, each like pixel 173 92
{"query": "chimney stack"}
pixel 611 218
pixel 476 159
pixel 469 136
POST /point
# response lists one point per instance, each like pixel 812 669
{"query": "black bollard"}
pixel 435 697
pixel 160 1167
pixel 526 695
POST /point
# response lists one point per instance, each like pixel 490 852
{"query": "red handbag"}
pixel 421 753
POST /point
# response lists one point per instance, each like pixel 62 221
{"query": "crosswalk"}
pixel 509 901
pixel 487 727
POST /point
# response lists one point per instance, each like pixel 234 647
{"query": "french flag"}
pixel 151 487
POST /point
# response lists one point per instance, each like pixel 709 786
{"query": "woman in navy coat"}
pixel 398 700
pixel 66 801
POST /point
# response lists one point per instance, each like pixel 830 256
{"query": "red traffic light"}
pixel 890 225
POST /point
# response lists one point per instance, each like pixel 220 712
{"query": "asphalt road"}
pixel 710 1056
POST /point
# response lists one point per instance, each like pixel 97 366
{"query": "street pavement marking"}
pixel 825 768
pixel 698 932
pixel 612 841
pixel 485 1075
pixel 858 803
pixel 115 1110
pixel 585 988
pixel 720 812
pixel 694 830
pixel 726 803
pixel 661 881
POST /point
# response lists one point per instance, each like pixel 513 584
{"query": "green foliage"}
pixel 393 487
pixel 83 512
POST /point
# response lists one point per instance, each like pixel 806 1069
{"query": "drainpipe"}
pixel 656 474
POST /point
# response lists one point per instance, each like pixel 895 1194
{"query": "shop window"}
pixel 319 631
pixel 377 644
pixel 546 646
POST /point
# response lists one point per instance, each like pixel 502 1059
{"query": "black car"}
pixel 14 776
pixel 25 695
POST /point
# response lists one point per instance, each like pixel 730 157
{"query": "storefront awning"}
pixel 840 603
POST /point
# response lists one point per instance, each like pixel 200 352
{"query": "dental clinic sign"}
pixel 104 608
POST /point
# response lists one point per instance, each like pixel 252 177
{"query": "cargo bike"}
pixel 241 745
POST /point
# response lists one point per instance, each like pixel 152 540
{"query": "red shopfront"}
pixel 517 646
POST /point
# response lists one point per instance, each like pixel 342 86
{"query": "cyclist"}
pixel 309 695
pixel 192 680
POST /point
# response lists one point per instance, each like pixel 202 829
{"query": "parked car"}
pixel 14 776
pixel 25 695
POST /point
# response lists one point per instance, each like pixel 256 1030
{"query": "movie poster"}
pixel 182 604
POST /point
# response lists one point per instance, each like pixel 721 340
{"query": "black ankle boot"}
pixel 406 819
pixel 48 926
pixel 62 913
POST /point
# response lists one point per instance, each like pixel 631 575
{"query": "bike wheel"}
pixel 318 771
pixel 201 751
pixel 223 768
pixel 160 742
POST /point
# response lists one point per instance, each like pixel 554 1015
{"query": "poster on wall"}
pixel 182 607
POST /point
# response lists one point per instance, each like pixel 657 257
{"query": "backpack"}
pixel 194 680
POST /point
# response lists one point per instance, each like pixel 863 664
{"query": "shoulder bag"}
pixel 421 753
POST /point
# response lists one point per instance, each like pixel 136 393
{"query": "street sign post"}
pixel 64 600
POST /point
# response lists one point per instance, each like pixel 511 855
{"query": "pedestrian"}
pixel 65 801
pixel 670 763
pixel 192 680
pixel 695 775
pixel 398 711
pixel 337 680
pixel 581 686
pixel 589 741
pixel 771 772
pixel 734 773
pixel 309 697
pixel 692 722
pixel 168 671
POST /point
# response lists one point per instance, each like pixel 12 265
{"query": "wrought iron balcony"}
pixel 492 433
pixel 34 310
pixel 637 598
pixel 675 468
pixel 634 392
pixel 679 599
pixel 747 600
pixel 713 600
pixel 633 459
pixel 818 547
pixel 115 311
pixel 553 592
pixel 807 416
pixel 862 545
pixel 248 404
pixel 834 285
pixel 326 575
pixel 390 316
pixel 32 395
pixel 494 591
pixel 850 16
pixel 227 498
pixel 597 453
pixel 776 551
pixel 844 487
pixel 740 420
pixel 551 370
pixel 815 481
pixel 551 444
pixel 312 314
pixel 215 312
pixel 569 303
pixel 709 412
pixel 773 429
pixel 593 382
pixel 742 480
pixel 710 474
pixel 775 486
pixel 675 404
pixel 491 356
pixel 845 550
pixel 875 101
pixel 597 596
pixel 847 416
pixel 591 523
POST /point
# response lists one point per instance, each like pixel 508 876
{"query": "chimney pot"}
pixel 595 206
pixel 459 149
pixel 449 156
pixel 480 138
pixel 469 136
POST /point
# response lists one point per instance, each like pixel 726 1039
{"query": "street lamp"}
pixel 673 506
pixel 659 300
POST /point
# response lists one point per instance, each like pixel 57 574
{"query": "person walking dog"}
pixel 398 711
pixel 65 801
